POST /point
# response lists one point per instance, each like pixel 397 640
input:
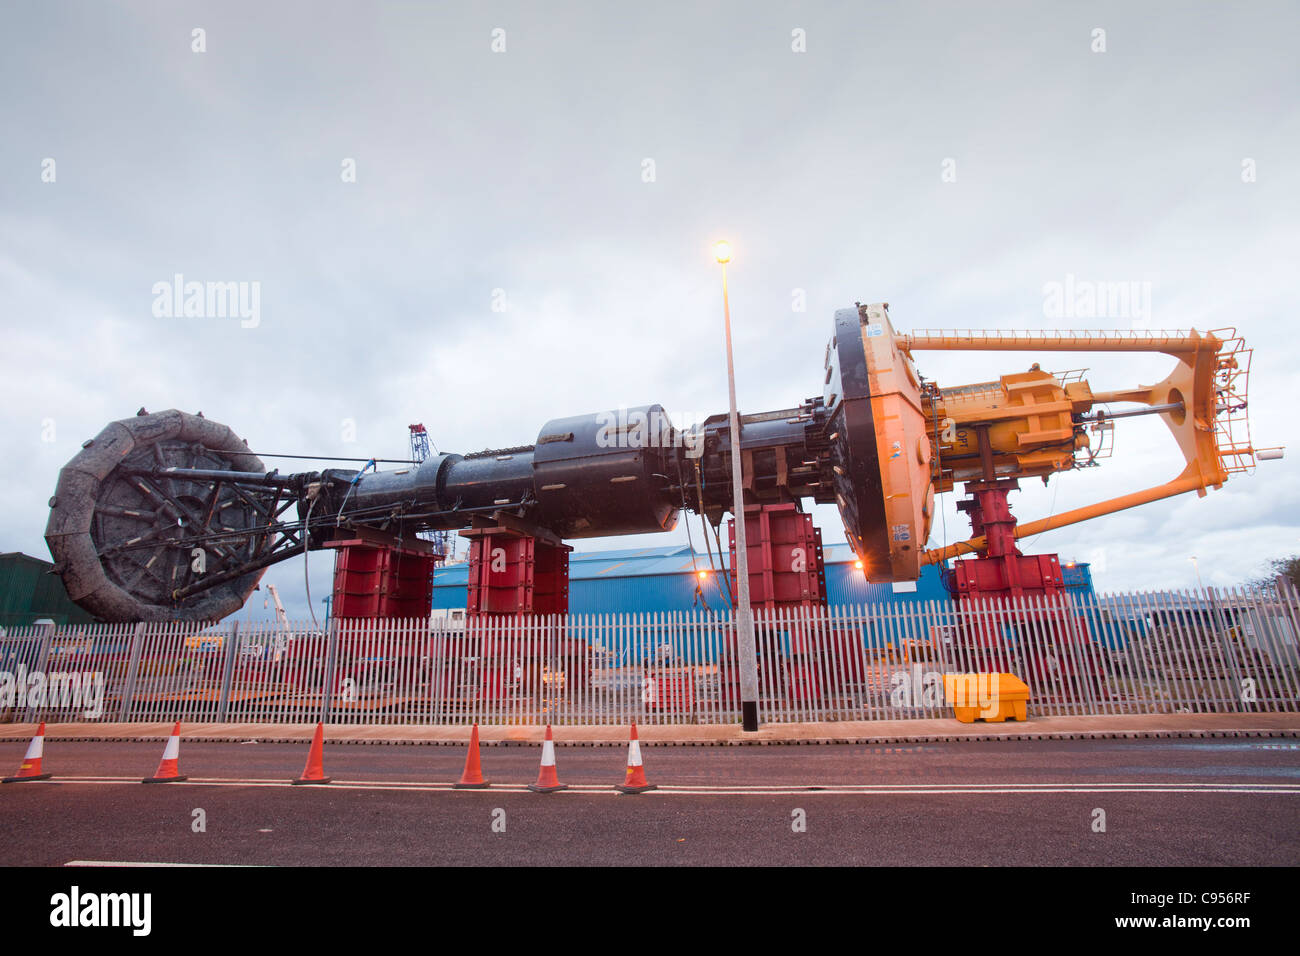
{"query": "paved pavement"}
pixel 842 732
pixel 1209 801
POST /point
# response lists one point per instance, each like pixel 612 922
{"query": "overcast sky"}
pixel 950 159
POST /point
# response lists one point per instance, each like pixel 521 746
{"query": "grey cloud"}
pixel 521 171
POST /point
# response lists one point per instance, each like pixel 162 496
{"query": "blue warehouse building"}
pixel 644 580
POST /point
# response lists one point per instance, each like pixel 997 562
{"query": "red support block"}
pixel 1001 570
pixel 514 577
pixel 787 568
pixel 376 578
pixel 1019 602
pixel 513 573
pixel 787 574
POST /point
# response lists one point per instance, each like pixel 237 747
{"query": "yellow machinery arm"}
pixel 1035 425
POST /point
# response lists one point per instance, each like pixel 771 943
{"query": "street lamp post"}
pixel 1197 568
pixel 744 613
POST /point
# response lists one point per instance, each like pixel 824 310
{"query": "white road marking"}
pixel 747 789
pixel 126 863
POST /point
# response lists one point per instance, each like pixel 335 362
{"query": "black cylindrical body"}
pixel 591 475
pixel 607 473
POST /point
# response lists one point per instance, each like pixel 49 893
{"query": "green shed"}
pixel 30 592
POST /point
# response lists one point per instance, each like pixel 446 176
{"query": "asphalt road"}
pixel 1166 802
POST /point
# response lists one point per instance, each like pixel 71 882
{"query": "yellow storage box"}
pixel 992 697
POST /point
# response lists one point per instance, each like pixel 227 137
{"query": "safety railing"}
pixel 1221 651
pixel 1074 339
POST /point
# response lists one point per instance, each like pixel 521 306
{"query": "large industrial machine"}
pixel 170 516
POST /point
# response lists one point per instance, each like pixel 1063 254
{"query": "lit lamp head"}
pixel 722 251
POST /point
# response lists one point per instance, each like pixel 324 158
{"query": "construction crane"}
pixel 171 516
pixel 419 443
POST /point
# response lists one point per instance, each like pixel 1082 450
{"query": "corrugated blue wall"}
pixel 660 579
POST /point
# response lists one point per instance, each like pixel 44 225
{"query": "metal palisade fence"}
pixel 1227 651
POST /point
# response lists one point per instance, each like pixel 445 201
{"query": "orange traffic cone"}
pixel 314 772
pixel 168 771
pixel 31 765
pixel 472 778
pixel 636 781
pixel 547 779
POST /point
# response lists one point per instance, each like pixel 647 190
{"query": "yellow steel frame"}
pixel 1028 413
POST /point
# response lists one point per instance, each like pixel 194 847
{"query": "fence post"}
pixel 228 672
pixel 42 665
pixel 1228 651
pixel 132 673
pixel 331 661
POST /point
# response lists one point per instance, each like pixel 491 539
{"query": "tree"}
pixel 1288 568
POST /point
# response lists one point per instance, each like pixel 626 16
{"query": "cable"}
pixel 389 461
pixel 714 572
pixel 731 598
pixel 938 462
pixel 305 576
pixel 1051 511
pixel 695 567
pixel 699 491
pixel 370 463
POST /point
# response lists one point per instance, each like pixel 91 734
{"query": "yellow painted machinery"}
pixel 1031 424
